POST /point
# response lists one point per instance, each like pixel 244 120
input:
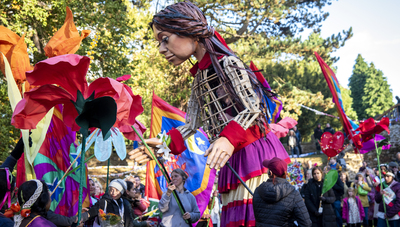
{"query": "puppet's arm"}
pixel 233 135
pixel 235 130
pixel 234 69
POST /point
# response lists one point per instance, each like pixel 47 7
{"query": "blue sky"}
pixel 376 29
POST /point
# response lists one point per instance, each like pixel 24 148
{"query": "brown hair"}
pixel 182 173
pixel 186 19
pixel 316 168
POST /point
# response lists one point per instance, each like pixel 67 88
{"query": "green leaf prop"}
pixel 330 180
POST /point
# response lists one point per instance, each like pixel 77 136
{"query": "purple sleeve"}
pixel 392 211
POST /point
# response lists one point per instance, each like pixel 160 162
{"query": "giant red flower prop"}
pixel 368 128
pixel 62 80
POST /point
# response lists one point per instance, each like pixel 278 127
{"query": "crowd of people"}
pixel 276 201
pixel 355 203
pixel 125 198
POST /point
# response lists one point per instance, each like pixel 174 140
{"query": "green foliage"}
pixel 39 20
pixel 273 18
pixel 8 134
pixel 294 70
pixel 347 103
pixel 369 89
pixel 263 31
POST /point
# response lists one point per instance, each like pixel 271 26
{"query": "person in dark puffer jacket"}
pixel 276 202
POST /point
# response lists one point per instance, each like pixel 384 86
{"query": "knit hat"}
pixel 393 164
pixel 119 184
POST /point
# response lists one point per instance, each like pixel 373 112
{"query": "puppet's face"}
pixel 176 49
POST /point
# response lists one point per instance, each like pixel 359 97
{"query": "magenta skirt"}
pixel 237 203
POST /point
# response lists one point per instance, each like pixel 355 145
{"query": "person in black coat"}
pixel 329 129
pixel 317 136
pixel 313 199
pixel 276 202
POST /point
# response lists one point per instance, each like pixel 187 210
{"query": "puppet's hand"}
pixel 219 153
pixel 141 154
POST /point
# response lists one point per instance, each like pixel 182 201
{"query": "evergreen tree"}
pixel 370 90
pixel 378 95
pixel 357 83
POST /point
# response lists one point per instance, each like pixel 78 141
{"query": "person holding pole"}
pixel 390 208
pixel 171 214
pixel 319 205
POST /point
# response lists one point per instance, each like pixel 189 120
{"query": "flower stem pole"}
pixel 82 177
pixel 165 174
pixel 67 173
pixel 380 178
pixel 78 167
pixel 108 173
pixel 211 207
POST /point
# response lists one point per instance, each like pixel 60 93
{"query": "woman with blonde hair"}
pixel 99 192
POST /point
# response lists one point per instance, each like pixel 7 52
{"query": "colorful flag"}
pixel 348 125
pixel 201 178
pixel 55 156
pixel 273 104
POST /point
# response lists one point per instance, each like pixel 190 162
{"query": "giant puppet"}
pixel 230 102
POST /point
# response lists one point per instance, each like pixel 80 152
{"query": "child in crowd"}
pixel 334 165
pixel 353 211
pixel 99 192
pixel 362 189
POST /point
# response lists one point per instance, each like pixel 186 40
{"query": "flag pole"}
pixel 240 179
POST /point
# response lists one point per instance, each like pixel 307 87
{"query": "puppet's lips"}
pixel 169 57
